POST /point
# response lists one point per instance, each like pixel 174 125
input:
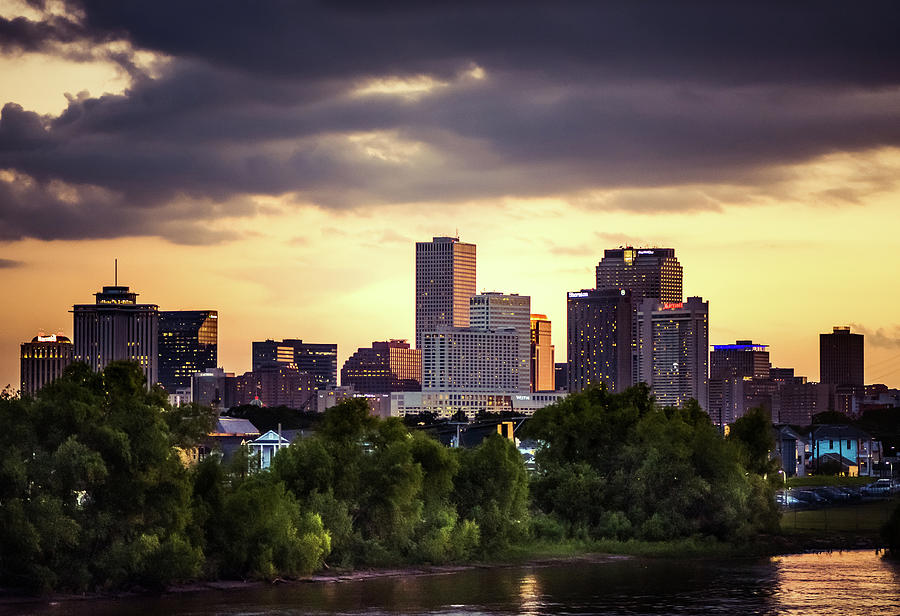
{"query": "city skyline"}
pixel 286 185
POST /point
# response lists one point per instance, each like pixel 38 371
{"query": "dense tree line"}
pixel 97 490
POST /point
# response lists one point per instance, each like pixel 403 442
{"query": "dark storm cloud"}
pixel 576 98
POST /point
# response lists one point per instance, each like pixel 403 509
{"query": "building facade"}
pixel 473 360
pixel 732 370
pixel 188 343
pixel 274 385
pixel 115 328
pixel 384 367
pixel 543 373
pixel 445 282
pixel 598 337
pixel 43 360
pixel 841 358
pixel 673 350
pixel 499 311
pixel 317 359
pixel 448 403
pixel 647 272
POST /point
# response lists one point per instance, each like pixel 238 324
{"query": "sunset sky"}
pixel 276 161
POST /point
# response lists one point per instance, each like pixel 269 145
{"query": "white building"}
pixel 448 403
pixel 473 360
pixel 497 311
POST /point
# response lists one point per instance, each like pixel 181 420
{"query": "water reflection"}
pixel 839 584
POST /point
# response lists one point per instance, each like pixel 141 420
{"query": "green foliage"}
pixel 617 466
pixel 492 490
pixel 753 435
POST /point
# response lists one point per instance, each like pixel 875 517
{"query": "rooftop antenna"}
pixel 116 283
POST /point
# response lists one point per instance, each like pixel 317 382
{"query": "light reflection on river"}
pixel 842 584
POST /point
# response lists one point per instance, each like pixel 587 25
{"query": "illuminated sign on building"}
pixel 672 305
pixel 578 294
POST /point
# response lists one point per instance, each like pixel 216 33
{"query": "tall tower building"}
pixel 646 272
pixel 497 311
pixel 445 281
pixel 384 367
pixel 188 343
pixel 116 327
pixel 675 350
pixel 543 372
pixel 598 336
pixel 841 358
pixel 317 359
pixel 43 361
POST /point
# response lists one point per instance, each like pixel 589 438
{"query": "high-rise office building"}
pixel 543 374
pixel 598 336
pixel 116 327
pixel 841 358
pixel 673 353
pixel 188 343
pixel 561 376
pixel 43 361
pixel 317 359
pixel 646 272
pixel 471 360
pixel 445 281
pixel 384 367
pixel 736 372
pixel 498 311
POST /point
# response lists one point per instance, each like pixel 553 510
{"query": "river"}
pixel 839 583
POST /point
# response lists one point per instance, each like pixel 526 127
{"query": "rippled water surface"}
pixel 821 584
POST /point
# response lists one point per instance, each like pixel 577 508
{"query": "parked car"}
pixel 786 499
pixel 882 487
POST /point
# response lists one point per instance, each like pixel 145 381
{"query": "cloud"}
pixel 10 263
pixel 881 337
pixel 351 106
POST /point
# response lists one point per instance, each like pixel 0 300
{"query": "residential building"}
pixel 445 282
pixel 317 359
pixel 856 451
pixel 543 376
pixel 498 311
pixel 43 360
pixel 598 337
pixel 473 360
pixel 384 367
pixel 116 327
pixel 647 272
pixel 188 343
pixel 266 446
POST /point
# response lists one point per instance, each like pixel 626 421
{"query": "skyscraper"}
pixel 543 377
pixel 841 358
pixel 674 350
pixel 43 361
pixel 383 368
pixel 598 336
pixel 497 311
pixel 116 327
pixel 188 343
pixel 646 272
pixel 317 359
pixel 445 281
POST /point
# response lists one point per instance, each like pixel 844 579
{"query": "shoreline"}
pixel 776 546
